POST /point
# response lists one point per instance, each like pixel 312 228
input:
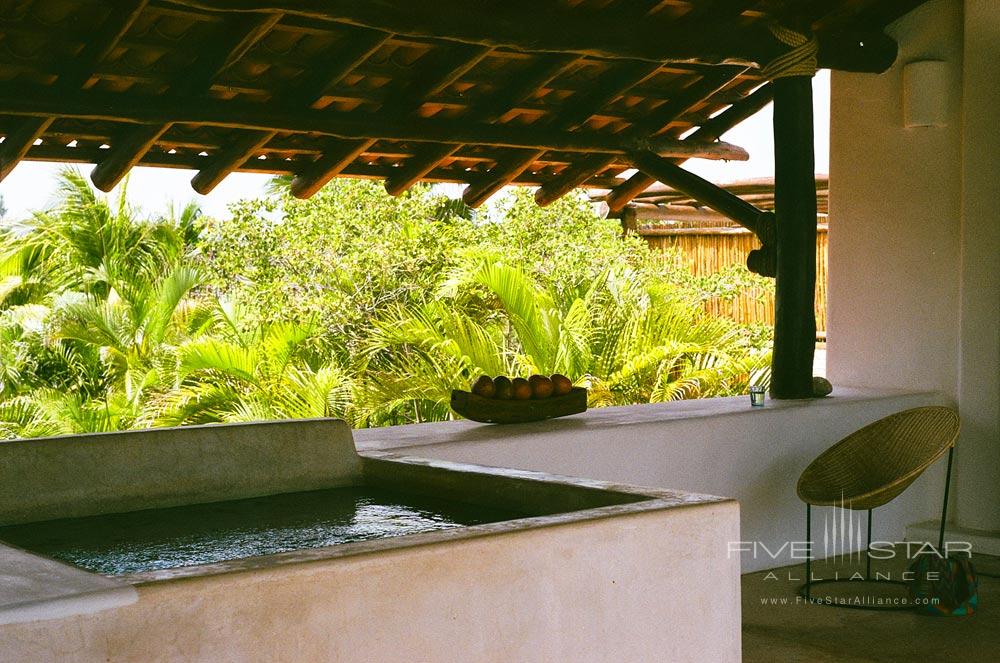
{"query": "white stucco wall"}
pixel 719 446
pixel 913 294
pixel 979 377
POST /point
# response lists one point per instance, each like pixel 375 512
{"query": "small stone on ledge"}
pixel 821 387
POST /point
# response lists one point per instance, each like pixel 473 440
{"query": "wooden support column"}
pixel 795 231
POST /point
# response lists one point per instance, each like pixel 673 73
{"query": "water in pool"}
pixel 117 544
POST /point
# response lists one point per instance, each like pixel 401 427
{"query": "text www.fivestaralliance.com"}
pixel 847 600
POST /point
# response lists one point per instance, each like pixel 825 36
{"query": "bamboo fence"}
pixel 710 247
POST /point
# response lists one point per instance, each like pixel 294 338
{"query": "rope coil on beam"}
pixel 799 61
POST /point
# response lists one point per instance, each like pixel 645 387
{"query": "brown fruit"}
pixel 484 387
pixel 561 385
pixel 541 386
pixel 502 388
pixel 522 389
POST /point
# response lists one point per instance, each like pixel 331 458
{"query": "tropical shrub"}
pixel 352 304
pixel 627 339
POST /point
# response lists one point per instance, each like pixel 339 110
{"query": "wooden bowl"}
pixel 498 411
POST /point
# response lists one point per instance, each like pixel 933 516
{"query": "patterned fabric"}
pixel 799 61
pixel 943 586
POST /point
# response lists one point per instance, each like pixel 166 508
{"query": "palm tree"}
pixel 629 340
pixel 109 297
pixel 244 371
pixel 137 329
pixel 415 356
pixel 89 244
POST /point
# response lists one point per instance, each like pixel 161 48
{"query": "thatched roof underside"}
pixel 488 93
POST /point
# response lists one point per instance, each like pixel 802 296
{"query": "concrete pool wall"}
pixel 720 446
pixel 601 572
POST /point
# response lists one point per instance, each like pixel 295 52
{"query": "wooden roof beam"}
pixel 17 143
pixel 710 130
pixel 76 72
pixel 489 110
pixel 305 94
pixel 400 104
pixel 527 25
pixel 702 190
pixel 659 118
pixel 98 105
pixel 127 152
pixel 375 171
pixel 651 212
pixel 611 86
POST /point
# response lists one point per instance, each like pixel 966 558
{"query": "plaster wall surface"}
pixel 81 475
pixel 979 380
pixel 914 299
pixel 894 238
pixel 718 446
pixel 646 587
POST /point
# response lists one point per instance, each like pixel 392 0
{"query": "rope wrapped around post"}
pixel 799 61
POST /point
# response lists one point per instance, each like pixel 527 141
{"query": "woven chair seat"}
pixel 870 467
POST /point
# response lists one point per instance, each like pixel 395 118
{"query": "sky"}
pixel 32 185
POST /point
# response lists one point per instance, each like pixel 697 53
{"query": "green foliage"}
pixel 342 256
pixel 241 372
pixel 352 304
pixel 626 339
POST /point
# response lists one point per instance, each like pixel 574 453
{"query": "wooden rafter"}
pixel 75 73
pixel 489 110
pixel 400 90
pixel 550 28
pixel 711 195
pixel 402 103
pixel 659 118
pixel 128 152
pixel 104 106
pixel 614 83
pixel 341 61
pixel 359 169
pixel 710 130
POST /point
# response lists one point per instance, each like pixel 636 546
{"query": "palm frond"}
pixel 220 357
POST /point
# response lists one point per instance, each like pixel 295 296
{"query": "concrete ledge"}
pixel 719 446
pixel 650 585
pixel 82 475
pixel 609 419
pixel 35 588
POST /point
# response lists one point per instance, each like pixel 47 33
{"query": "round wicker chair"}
pixel 872 466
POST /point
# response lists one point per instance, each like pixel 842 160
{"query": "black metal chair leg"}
pixel 944 508
pixel 868 549
pixel 808 550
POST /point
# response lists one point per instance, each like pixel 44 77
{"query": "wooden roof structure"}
pixel 664 203
pixel 555 93
pixel 558 94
